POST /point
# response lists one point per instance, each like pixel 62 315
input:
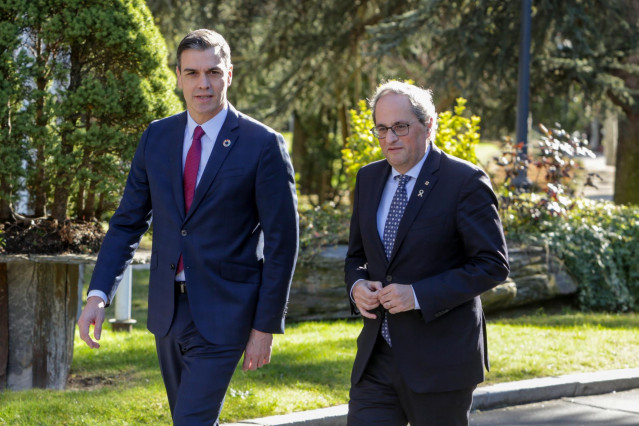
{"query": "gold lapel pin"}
pixel 420 193
pixel 226 143
pixel 427 183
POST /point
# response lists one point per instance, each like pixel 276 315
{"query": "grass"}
pixel 120 383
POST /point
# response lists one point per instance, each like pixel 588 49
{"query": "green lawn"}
pixel 120 383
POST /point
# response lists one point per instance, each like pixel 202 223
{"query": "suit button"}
pixel 389 278
pixel 184 233
pixel 172 266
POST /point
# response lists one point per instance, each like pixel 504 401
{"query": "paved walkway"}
pixel 569 400
pixel 611 409
pixel 603 177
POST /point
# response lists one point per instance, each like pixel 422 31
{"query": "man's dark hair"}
pixel 204 39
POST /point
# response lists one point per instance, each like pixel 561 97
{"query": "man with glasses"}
pixel 425 242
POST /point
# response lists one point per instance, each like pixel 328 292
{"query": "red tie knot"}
pixel 198 133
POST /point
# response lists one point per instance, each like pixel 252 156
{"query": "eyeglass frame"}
pixel 375 131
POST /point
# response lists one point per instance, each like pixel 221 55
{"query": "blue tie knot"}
pixel 402 180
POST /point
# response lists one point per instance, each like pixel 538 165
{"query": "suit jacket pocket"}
pixel 240 273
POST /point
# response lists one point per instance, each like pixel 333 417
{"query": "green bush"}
pixel 598 242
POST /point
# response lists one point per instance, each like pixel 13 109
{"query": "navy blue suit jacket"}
pixel 450 246
pixel 239 239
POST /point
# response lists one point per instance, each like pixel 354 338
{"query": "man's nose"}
pixel 203 81
pixel 391 136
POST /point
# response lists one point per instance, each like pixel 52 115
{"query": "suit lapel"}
pixel 176 143
pixel 426 181
pixel 371 205
pixel 225 142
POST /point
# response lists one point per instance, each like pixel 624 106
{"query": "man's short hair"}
pixel 421 101
pixel 204 39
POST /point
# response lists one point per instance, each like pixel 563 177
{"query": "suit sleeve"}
pixel 485 258
pixel 276 201
pixel 355 267
pixel 131 219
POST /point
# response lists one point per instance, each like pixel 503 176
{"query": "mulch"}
pixel 47 236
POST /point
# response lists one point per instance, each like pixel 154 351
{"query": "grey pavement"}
pixel 603 179
pixel 611 409
pixel 599 398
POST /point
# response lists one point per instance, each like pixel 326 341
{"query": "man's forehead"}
pixel 394 107
pixel 210 58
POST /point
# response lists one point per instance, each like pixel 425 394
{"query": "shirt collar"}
pixel 414 171
pixel 211 127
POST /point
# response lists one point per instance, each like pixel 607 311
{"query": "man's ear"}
pixel 179 79
pixel 230 75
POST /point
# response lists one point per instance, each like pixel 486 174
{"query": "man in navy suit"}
pixel 425 242
pixel 220 189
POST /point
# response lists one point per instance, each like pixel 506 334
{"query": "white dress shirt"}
pixel 387 197
pixel 211 131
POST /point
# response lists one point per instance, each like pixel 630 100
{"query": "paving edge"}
pixel 547 388
pixel 485 397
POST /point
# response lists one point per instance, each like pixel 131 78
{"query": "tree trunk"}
pixel 101 206
pixel 38 183
pixel 39 191
pixel 63 174
pixel 89 203
pixel 627 167
pixel 5 207
pixel 300 152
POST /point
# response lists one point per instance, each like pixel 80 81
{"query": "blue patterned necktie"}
pixel 395 213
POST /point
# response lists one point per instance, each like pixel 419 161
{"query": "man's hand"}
pixel 365 295
pixel 258 350
pixel 93 313
pixel 397 298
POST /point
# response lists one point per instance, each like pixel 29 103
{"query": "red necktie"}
pixel 191 167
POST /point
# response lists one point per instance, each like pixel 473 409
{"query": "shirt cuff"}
pixel 100 294
pixel 352 287
pixel 415 297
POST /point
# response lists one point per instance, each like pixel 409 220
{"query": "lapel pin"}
pixel 420 193
pixel 226 143
pixel 427 183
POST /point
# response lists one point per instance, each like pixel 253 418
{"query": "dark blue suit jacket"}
pixel 239 239
pixel 450 246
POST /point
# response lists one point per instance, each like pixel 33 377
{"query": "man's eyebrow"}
pixel 397 122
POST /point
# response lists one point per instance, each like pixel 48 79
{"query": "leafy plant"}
pixel 597 241
pixel 458 135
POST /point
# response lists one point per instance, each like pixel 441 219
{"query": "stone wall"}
pixel 318 292
pixel 535 276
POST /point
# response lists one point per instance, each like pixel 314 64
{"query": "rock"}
pixel 535 276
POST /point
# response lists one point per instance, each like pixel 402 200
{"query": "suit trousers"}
pixel 196 372
pixel 382 398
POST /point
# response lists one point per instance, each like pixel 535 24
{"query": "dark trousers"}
pixel 196 372
pixel 382 398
